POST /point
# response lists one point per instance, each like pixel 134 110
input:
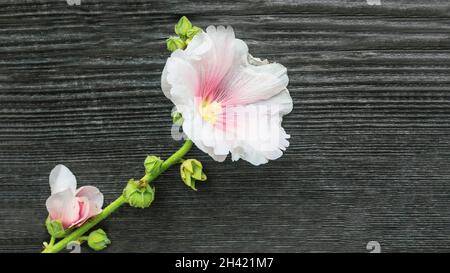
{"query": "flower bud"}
pixel 137 195
pixel 97 240
pixel 177 118
pixel 55 228
pixel 152 164
pixel 174 43
pixel 183 26
pixel 191 170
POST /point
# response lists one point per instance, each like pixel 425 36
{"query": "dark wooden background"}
pixel 370 149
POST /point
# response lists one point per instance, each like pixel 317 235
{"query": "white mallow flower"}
pixel 230 101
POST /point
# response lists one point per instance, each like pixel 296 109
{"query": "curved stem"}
pixel 83 238
pixel 173 159
pixel 52 241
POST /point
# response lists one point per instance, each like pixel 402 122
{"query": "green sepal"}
pixel 55 228
pixel 152 164
pixel 138 195
pixel 193 31
pixel 177 118
pixel 191 170
pixel 183 26
pixel 174 43
pixel 98 240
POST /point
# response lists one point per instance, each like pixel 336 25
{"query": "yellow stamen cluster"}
pixel 210 111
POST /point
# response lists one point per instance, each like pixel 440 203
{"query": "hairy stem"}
pixel 173 159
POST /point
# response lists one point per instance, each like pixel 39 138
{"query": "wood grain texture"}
pixel 370 130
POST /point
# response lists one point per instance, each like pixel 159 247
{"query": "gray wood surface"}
pixel 370 149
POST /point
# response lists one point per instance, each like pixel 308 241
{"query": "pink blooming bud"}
pixel 68 204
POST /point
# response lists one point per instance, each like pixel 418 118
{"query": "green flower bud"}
pixel 177 118
pixel 137 195
pixel 152 164
pixel 97 240
pixel 174 43
pixel 55 228
pixel 183 26
pixel 193 31
pixel 191 170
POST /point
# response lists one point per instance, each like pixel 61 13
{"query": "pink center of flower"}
pixel 82 205
pixel 212 99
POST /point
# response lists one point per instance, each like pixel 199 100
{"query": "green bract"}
pixel 137 195
pixel 193 31
pixel 183 26
pixel 174 43
pixel 185 31
pixel 191 170
pixel 55 228
pixel 97 240
pixel 177 118
pixel 152 164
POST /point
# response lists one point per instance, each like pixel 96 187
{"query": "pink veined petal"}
pixel 254 83
pixel 180 65
pixel 227 76
pixel 201 67
pixel 216 64
pixel 61 178
pixel 63 206
pixel 94 197
pixel 83 214
pixel 226 73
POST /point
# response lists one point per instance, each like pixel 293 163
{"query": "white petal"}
pixel 61 178
pixel 259 138
pixel 193 128
pixel 63 206
pixel 256 61
pixel 200 44
pixel 179 73
pixel 165 85
pixel 254 83
pixel 280 103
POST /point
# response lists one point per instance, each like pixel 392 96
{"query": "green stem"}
pixel 52 241
pixel 173 159
pixel 83 238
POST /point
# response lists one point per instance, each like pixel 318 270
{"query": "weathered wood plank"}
pixel 370 149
